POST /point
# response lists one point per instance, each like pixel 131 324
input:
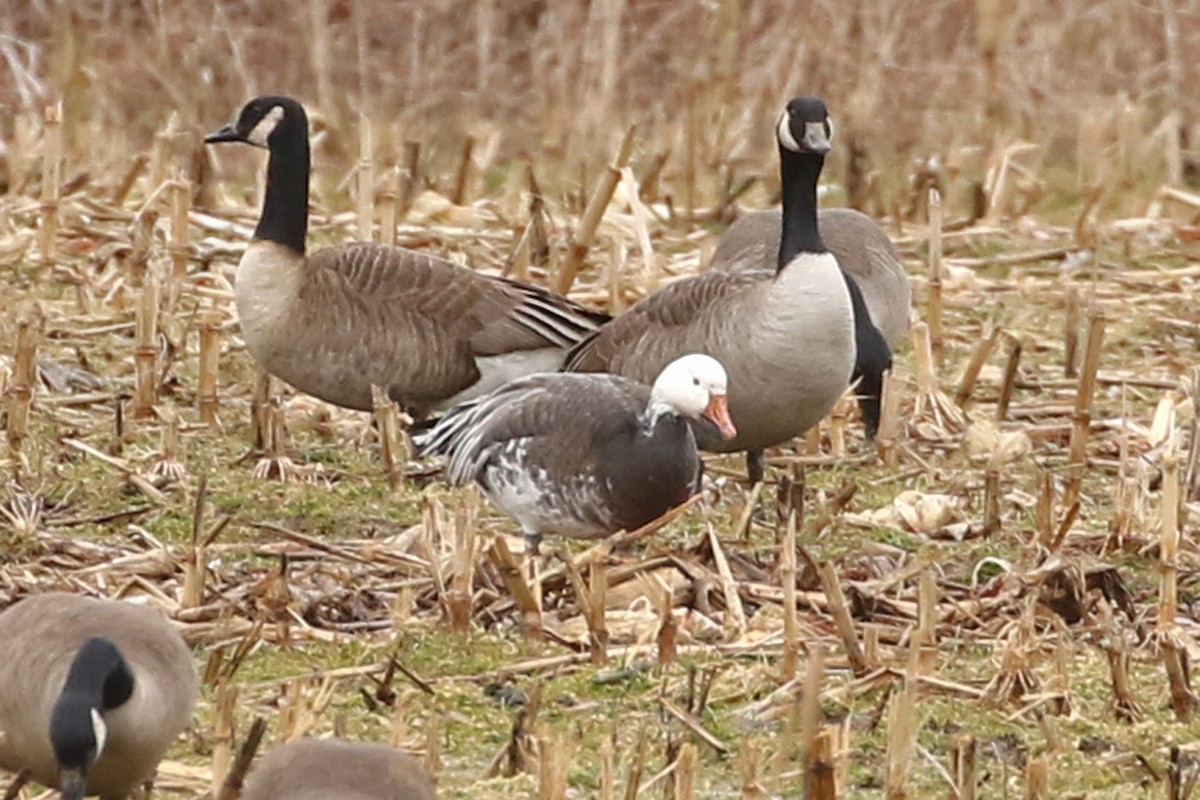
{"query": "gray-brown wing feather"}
pixel 682 317
pixel 420 322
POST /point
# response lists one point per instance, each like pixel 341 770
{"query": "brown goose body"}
pixel 39 637
pixel 863 249
pixel 429 331
pixel 320 769
pixel 335 322
pixel 584 455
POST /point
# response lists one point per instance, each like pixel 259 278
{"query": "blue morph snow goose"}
pixel 337 321
pixel 787 337
pixel 92 692
pixel 868 257
pixel 585 455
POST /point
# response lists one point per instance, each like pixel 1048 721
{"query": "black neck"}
pixel 100 675
pixel 799 173
pixel 285 207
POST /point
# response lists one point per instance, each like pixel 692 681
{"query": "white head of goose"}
pixel 875 276
pixel 318 769
pixel 786 336
pixel 585 455
pixel 92 692
pixel 334 322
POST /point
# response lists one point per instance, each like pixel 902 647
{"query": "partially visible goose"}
pixel 92 692
pixel 334 322
pixel 787 337
pixel 320 769
pixel 585 455
pixel 869 259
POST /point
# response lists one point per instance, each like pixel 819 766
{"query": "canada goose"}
pixel 92 692
pixel 585 455
pixel 334 322
pixel 320 769
pixel 788 360
pixel 868 258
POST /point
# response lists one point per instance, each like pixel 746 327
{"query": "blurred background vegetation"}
pixel 948 83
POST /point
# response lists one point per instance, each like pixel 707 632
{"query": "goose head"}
pixel 262 122
pixel 695 386
pixel 99 680
pixel 804 127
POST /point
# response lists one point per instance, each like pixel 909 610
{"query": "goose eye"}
pixel 695 381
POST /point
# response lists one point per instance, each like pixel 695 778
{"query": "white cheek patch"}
pixel 99 731
pixel 265 126
pixel 784 132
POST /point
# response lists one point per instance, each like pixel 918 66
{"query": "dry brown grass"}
pixel 560 81
pixel 988 596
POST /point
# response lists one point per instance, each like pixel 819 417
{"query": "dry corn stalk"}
pixel 1008 383
pixel 554 765
pixel 962 766
pixel 816 769
pixel 934 311
pixel 179 247
pixel 388 205
pixel 888 437
pixel 458 598
pixel 231 787
pixel 1080 429
pixel 391 438
pixel 225 705
pixel 145 352
pixel 275 463
pixel 410 177
pixel 1172 643
pixel 839 609
pixel 932 405
pixel 210 361
pixel 518 586
pixel 1071 332
pixel 169 464
pixel 902 729
pixel 366 179
pixel 787 577
pixel 927 619
pixel 581 240
pixel 52 154
pixel 462 180
pixel 1015 676
pixel 979 356
pixel 20 391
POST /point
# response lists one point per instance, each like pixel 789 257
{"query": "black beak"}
pixel 72 783
pixel 226 134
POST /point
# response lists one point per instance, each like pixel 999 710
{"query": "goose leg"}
pixel 755 466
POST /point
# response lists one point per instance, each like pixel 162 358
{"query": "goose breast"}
pixel 861 246
pixel 788 363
